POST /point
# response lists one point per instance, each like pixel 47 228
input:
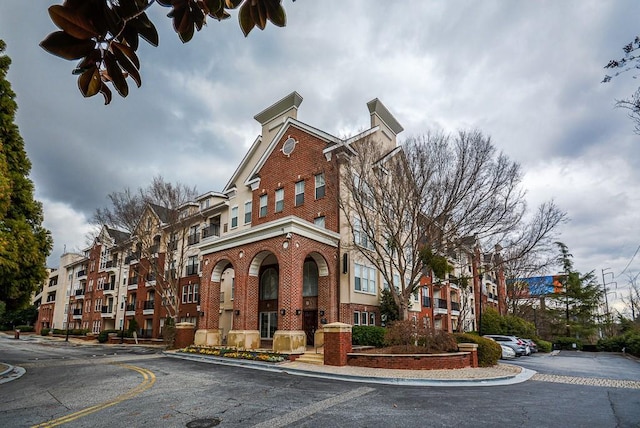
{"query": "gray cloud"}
pixel 526 73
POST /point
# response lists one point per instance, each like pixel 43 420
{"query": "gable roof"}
pixel 328 138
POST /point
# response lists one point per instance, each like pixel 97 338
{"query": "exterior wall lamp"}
pixel 298 311
pixel 283 311
pixel 237 312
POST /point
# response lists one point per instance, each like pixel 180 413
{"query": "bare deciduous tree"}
pixel 408 206
pixel 158 220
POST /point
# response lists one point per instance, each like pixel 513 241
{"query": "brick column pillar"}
pixel 473 349
pixel 185 333
pixel 337 343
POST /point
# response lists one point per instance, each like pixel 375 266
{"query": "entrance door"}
pixel 310 324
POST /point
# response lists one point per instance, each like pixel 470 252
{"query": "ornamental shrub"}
pixel 543 345
pixel 368 335
pixel 103 336
pixel 408 334
pixel 489 351
pixel 25 328
pixel 45 332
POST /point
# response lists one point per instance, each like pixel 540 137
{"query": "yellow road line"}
pixel 148 380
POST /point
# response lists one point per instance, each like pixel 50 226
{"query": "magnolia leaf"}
pixel 260 13
pixel 115 74
pixel 276 13
pixel 146 29
pixel 65 46
pixel 106 93
pixel 72 23
pixel 125 62
pixel 126 50
pixel 246 21
pixel 213 7
pixel 232 4
pixel 89 82
pixel 130 36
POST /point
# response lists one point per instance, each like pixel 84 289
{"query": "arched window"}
pixel 269 284
pixel 310 279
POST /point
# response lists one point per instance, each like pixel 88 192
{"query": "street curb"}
pixel 12 374
pixel 8 370
pixel 523 376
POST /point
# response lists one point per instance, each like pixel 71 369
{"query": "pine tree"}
pixel 24 243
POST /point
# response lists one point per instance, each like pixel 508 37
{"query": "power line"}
pixel 632 257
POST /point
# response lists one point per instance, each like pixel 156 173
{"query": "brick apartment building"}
pixel 269 260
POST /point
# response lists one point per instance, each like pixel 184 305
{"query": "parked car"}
pixel 507 353
pixel 512 342
pixel 532 345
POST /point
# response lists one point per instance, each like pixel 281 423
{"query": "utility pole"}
pixel 607 318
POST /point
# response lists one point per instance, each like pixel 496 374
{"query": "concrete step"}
pixel 311 358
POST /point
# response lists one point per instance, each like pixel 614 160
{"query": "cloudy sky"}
pixel 526 73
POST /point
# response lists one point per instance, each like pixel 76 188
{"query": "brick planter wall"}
pixel 454 360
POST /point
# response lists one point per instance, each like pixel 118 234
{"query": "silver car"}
pixel 512 342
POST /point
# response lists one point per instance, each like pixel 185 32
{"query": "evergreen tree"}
pixel 24 243
pixel 580 298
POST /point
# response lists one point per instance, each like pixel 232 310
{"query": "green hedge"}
pixel 543 345
pixel 489 351
pixel 25 328
pixel 566 343
pixel 45 331
pixel 629 341
pixel 363 335
pixel 72 332
pixel 103 336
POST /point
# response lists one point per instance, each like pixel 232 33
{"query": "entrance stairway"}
pixel 311 357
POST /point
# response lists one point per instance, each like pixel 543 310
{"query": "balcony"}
pixel 455 306
pixel 194 238
pixel 211 230
pixel 154 249
pixel 133 283
pixel 79 293
pixel 107 312
pixel 426 301
pixel 440 306
pixel 81 273
pixel 77 314
pixel 172 246
pixel 134 257
pixel 130 309
pixel 491 296
pixel 148 306
pixel 150 280
pixel 109 288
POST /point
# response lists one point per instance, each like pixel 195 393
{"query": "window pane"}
pixel 234 217
pixel 263 205
pixel 299 193
pixel 320 185
pixel 247 212
pixel 279 200
pixel 310 279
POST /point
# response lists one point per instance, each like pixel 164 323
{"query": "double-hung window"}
pixel 247 212
pixel 279 200
pixel 234 217
pixel 299 193
pixel 319 186
pixel 263 205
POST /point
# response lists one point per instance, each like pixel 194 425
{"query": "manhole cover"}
pixel 203 423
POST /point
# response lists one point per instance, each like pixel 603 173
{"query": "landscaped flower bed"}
pixel 270 357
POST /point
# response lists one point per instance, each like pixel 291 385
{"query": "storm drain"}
pixel 203 423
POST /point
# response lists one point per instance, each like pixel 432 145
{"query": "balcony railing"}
pixel 149 304
pixel 491 296
pixel 133 280
pixel 77 311
pixel 109 286
pixel 79 292
pixel 81 273
pixel 426 301
pixel 455 306
pixel 440 303
pixel 172 245
pixel 130 307
pixel 106 309
pixel 154 248
pixel 211 230
pixel 192 269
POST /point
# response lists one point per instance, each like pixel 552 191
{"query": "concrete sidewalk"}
pixel 502 374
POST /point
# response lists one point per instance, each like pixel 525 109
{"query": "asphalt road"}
pixel 115 386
